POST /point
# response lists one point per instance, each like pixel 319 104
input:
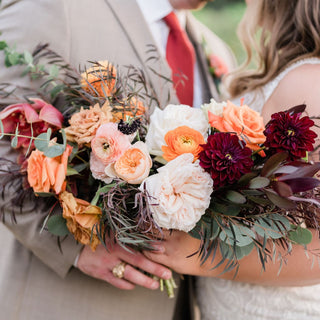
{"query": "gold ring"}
pixel 118 270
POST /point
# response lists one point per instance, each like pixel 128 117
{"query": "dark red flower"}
pixel 286 131
pixel 225 158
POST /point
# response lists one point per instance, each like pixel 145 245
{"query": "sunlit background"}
pixel 222 17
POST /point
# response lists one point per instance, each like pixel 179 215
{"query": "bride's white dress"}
pixel 230 300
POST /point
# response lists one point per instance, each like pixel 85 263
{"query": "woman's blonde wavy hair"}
pixel 280 32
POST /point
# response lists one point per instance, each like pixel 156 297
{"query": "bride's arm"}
pixel 300 268
pixel 299 86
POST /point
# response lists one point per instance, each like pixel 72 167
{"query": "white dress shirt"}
pixel 154 11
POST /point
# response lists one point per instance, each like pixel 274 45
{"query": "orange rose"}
pixel 48 174
pixel 100 79
pixel 81 218
pixel 182 140
pixel 133 108
pixel 85 123
pixel 245 122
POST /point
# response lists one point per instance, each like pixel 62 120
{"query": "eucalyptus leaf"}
pixel 3 45
pixel 228 210
pixel 14 142
pixel 2 129
pixel 245 179
pixel 57 225
pixel 235 197
pixel 14 58
pixel 100 191
pixel 300 235
pixel 28 57
pixel 259 182
pixel 42 142
pixel 54 71
pixel 80 167
pixel 71 171
pixel 56 90
pixel 280 201
pixel 244 251
pixel 54 151
pixel 268 228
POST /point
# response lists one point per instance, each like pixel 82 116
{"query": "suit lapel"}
pixel 140 38
pixel 209 88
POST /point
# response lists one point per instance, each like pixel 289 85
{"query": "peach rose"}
pixel 81 218
pixel 85 123
pixel 48 174
pixel 100 79
pixel 109 144
pixel 179 194
pixel 182 140
pixel 245 122
pixel 133 166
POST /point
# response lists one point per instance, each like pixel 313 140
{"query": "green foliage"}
pixel 57 225
pixel 50 148
pixel 300 235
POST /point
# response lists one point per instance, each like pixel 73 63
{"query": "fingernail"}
pixel 155 285
pixel 166 275
pixel 158 248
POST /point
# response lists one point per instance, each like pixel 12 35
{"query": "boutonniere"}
pixel 216 65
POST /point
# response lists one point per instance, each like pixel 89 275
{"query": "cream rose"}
pixel 133 166
pixel 214 107
pixel 179 194
pixel 170 118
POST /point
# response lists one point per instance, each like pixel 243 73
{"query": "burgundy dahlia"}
pixel 225 158
pixel 288 132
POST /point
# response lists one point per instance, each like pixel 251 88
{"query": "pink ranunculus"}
pixel 40 115
pixel 109 144
pixel 179 194
pixel 98 169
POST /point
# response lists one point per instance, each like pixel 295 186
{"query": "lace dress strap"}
pixel 269 88
pixel 257 99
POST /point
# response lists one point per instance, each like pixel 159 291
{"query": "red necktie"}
pixel 181 59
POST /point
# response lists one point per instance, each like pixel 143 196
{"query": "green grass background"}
pixel 223 17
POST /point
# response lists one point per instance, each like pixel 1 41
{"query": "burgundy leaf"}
pixel 302 184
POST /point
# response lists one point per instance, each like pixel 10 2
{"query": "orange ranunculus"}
pixel 182 140
pixel 132 108
pixel 81 218
pixel 243 121
pixel 48 174
pixel 100 79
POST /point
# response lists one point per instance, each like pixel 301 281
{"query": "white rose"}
pixel 214 107
pixel 179 194
pixel 170 118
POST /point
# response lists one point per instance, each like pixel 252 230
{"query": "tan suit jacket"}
pixel 37 281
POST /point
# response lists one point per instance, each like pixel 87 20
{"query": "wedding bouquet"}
pixel 217 172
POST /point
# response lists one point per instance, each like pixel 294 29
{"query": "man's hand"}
pixel 99 264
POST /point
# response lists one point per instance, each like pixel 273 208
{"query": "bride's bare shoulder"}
pixel 300 85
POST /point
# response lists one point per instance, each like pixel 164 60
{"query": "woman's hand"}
pixel 179 250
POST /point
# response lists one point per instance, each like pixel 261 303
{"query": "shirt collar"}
pixel 155 10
